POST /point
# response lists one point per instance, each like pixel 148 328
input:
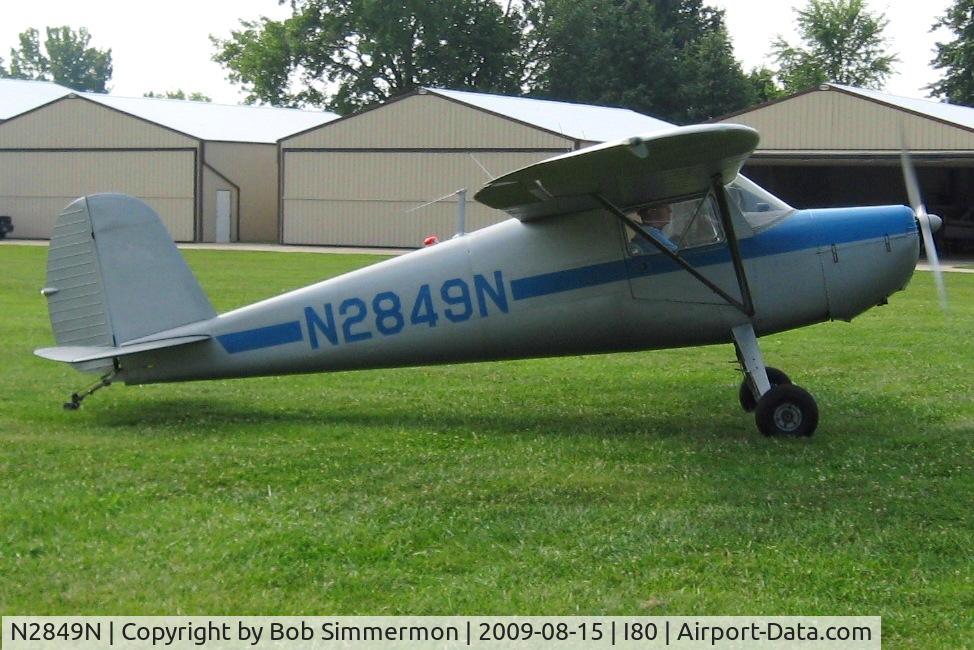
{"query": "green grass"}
pixel 622 484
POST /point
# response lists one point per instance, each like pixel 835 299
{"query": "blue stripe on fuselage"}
pixel 585 276
pixel 803 230
pixel 261 337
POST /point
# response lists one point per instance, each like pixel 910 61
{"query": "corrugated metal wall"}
pixel 352 182
pixel 424 121
pixel 213 182
pixel 36 185
pixel 253 168
pixel 359 225
pixel 363 198
pixel 75 123
pixel 72 147
pixel 833 120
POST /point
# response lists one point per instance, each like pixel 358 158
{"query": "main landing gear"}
pixel 780 407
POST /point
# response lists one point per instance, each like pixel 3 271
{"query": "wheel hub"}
pixel 788 417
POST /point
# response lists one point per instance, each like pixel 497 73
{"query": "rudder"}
pixel 114 275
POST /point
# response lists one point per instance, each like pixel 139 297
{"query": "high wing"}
pixel 616 176
pixel 676 162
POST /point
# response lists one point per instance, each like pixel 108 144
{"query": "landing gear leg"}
pixel 780 407
pixel 76 398
pixel 745 394
pixel 749 356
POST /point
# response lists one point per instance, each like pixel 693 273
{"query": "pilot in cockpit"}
pixel 655 220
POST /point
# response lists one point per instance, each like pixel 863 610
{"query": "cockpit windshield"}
pixel 760 208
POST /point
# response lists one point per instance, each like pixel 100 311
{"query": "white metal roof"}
pixel 202 120
pixel 18 96
pixel 579 121
pixel 960 115
pixel 219 122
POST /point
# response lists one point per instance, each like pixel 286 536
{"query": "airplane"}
pixel 574 271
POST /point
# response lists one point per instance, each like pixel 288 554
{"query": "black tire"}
pixel 787 410
pixel 746 397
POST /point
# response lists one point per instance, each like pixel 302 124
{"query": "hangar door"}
pixel 947 189
pixel 370 198
pixel 36 185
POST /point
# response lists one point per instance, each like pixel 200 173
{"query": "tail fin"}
pixel 114 275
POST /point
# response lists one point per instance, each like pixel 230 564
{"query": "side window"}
pixel 678 226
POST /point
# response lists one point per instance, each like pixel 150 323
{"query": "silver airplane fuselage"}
pixel 551 287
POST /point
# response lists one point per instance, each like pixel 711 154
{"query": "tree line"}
pixel 66 57
pixel 672 59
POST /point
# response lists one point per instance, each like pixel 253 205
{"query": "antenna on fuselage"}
pixel 461 212
pixel 461 195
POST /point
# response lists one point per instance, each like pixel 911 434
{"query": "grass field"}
pixel 624 484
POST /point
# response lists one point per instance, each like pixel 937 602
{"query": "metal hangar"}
pixel 209 170
pixel 836 145
pixel 360 180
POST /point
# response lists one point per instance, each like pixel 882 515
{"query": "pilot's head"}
pixel 657 216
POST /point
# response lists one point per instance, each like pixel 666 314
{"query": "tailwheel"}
pixel 746 395
pixel 76 398
pixel 786 410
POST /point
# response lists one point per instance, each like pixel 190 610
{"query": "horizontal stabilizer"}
pixel 682 161
pixel 81 353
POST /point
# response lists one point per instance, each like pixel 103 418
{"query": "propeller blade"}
pixel 910 179
pixel 923 221
pixel 932 258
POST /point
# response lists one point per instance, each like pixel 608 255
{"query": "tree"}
pixel 66 58
pixel 179 93
pixel 260 58
pixel 346 54
pixel 956 57
pixel 714 81
pixel 764 88
pixel 842 43
pixel 669 58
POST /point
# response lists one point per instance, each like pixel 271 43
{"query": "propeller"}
pixel 928 223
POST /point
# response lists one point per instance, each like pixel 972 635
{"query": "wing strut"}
pixel 747 306
pixel 735 250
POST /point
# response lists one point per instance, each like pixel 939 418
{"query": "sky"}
pixel 754 24
pixel 160 46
